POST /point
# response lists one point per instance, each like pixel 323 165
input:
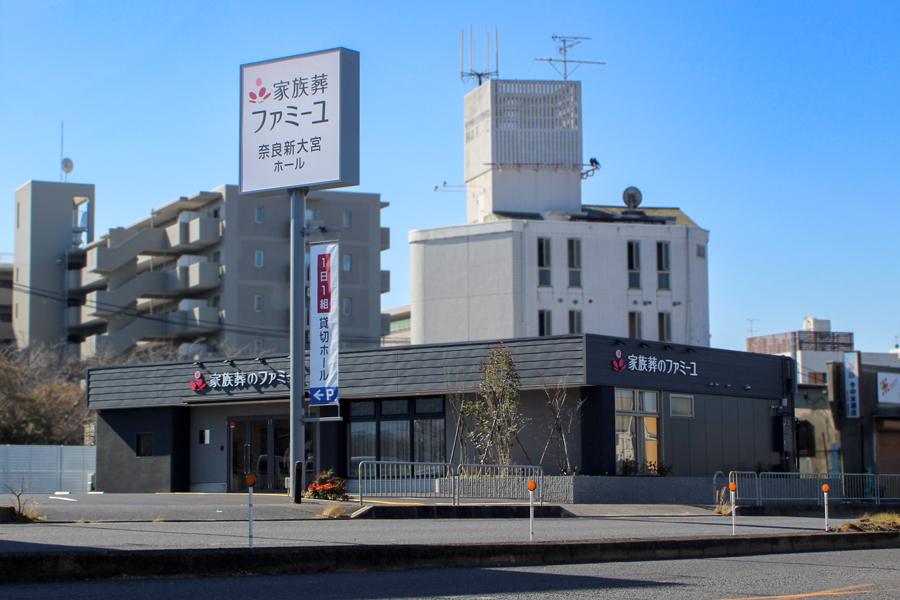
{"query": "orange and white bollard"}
pixel 531 487
pixel 732 488
pixel 825 489
pixel 251 480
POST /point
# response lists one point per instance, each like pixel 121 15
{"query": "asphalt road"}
pixel 40 537
pixel 870 574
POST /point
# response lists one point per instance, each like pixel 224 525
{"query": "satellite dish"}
pixel 67 165
pixel 632 197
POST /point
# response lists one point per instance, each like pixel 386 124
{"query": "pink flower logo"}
pixel 618 365
pixel 199 384
pixel 261 95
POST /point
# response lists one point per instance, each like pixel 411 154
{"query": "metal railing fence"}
pixel 390 479
pixel 762 488
pixel 47 469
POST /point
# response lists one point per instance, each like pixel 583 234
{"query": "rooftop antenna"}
pixel 486 74
pixel 750 330
pixel 567 42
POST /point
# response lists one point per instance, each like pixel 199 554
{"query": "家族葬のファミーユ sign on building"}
pixel 300 122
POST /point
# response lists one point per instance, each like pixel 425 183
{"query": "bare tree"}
pixel 495 416
pixel 563 418
pixel 457 399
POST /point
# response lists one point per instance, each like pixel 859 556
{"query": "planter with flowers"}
pixel 327 487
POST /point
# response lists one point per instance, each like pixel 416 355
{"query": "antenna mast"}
pixel 567 42
pixel 486 74
pixel 751 331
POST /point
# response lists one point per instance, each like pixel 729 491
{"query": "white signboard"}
pixel 889 388
pixel 300 122
pixel 323 324
pixel 851 384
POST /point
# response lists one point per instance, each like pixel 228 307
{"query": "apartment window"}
pixel 575 321
pixel 214 301
pixel 348 219
pixel 258 303
pixel 203 438
pixel 662 265
pixel 144 445
pixel 543 261
pixel 6 317
pixel 818 378
pixel 545 326
pixel 347 262
pixel 637 431
pixel 681 406
pixel 6 283
pixel 259 258
pixel 17 215
pixel 574 247
pixel 635 331
pixel 665 327
pixel 257 346
pixel 634 265
pixel 260 213
pixel 17 274
pixel 216 257
pixel 215 213
pixel 701 251
pixel 348 306
pixel 16 307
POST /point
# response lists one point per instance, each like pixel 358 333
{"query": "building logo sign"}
pixel 851 384
pixel 652 364
pixel 889 388
pixel 324 338
pixel 299 124
pixel 239 379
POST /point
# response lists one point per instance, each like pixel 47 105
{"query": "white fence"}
pixel 769 488
pixel 386 479
pixel 47 469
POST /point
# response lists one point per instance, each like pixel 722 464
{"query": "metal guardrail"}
pixel 389 479
pixel 758 489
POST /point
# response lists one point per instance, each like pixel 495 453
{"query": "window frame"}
pixel 664 322
pixel 663 265
pixel 347 263
pixel 672 412
pixel 544 262
pixel 259 259
pixel 138 450
pixel 260 214
pixel 573 250
pixel 347 306
pixel 634 264
pixel 545 323
pixel 258 303
pixel 635 325
pixel 576 326
pixel 347 219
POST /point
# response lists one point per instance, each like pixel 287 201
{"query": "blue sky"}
pixel 773 125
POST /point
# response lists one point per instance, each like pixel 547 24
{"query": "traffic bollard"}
pixel 251 480
pixel 732 488
pixel 531 486
pixel 825 489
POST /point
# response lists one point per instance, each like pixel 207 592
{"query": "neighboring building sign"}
pixel 851 384
pixel 323 323
pixel 300 122
pixel 889 388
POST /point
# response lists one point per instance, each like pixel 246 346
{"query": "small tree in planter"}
pixel 327 487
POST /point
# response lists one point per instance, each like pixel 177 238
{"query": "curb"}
pixel 466 511
pixel 111 564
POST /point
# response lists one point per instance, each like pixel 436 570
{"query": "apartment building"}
pixel 531 259
pixel 206 271
pixel 6 308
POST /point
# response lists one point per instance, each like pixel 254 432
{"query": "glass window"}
pixel 348 219
pixel 637 433
pixel 394 407
pixel 665 327
pixel 257 346
pixel 394 440
pixel 259 258
pixel 362 443
pixel 362 409
pixel 144 444
pixel 258 303
pixel 634 264
pixel 635 331
pixel 681 406
pixel 574 247
pixel 348 306
pixel 543 261
pixel 662 265
pixel 575 321
pixel 649 402
pixel 625 400
pixel 545 326
pixel 216 257
pixel 347 262
pixel 430 445
pixel 259 214
pixel 429 405
pixel 701 251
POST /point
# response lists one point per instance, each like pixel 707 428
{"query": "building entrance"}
pixel 261 446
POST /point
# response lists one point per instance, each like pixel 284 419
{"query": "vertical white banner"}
pixel 851 384
pixel 324 339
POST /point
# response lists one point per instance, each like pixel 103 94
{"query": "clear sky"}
pixel 774 125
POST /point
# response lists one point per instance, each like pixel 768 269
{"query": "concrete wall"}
pixel 629 490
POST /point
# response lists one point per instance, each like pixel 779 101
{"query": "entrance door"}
pixel 262 446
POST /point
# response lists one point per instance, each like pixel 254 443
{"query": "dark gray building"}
pixel 203 426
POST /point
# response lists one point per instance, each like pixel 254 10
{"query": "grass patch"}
pixel 878 522
pixel 334 511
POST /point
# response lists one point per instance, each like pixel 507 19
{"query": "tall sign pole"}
pixel 298 339
pixel 299 131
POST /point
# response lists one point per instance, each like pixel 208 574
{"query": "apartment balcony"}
pixel 385 238
pixel 105 303
pixel 106 259
pixel 197 277
pixel 73 316
pixel 125 333
pixel 385 282
pixel 194 234
pixel 6 296
pixel 6 331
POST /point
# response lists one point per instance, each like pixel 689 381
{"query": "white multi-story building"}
pixel 532 261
